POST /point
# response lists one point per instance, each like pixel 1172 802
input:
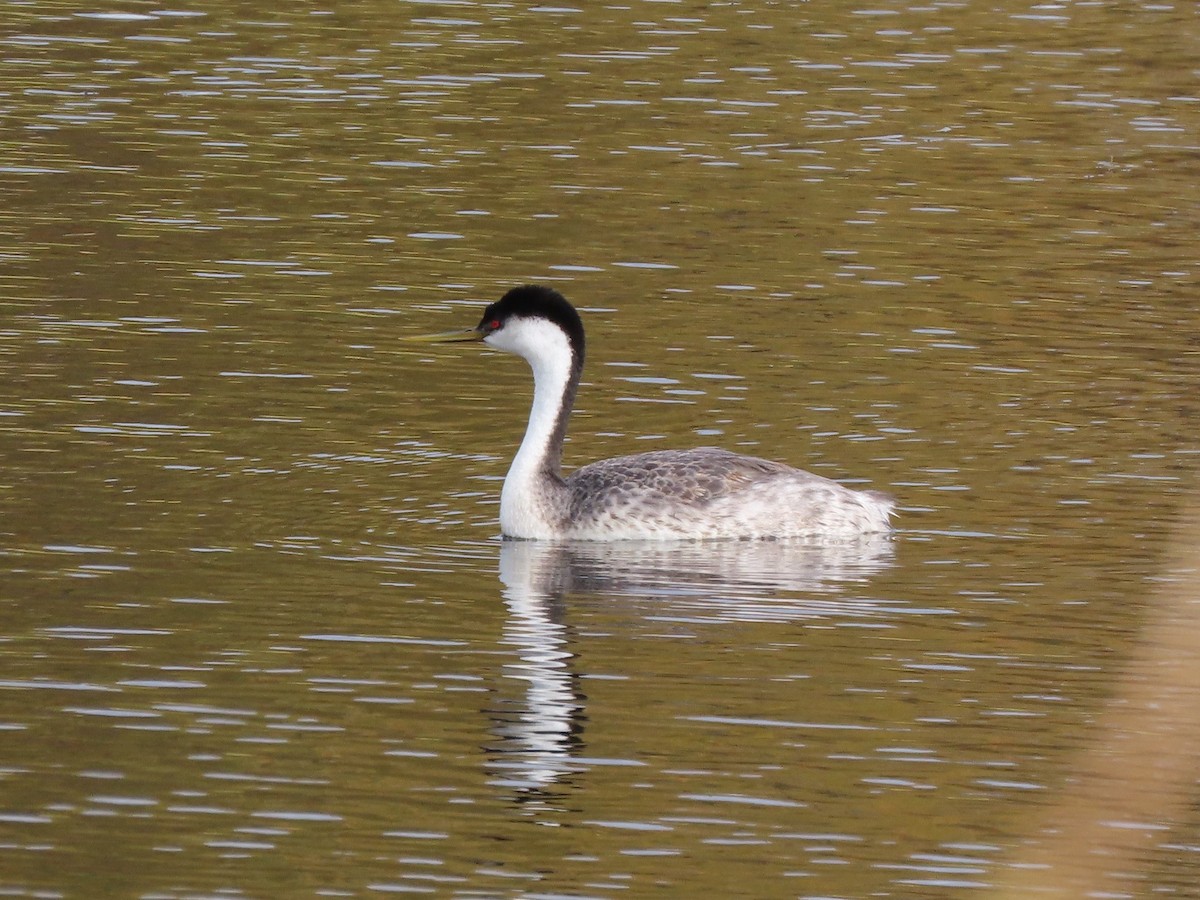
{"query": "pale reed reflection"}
pixel 541 732
pixel 1139 773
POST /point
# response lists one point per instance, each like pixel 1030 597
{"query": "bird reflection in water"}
pixel 540 734
pixel 539 731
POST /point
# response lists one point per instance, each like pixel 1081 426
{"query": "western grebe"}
pixel 664 494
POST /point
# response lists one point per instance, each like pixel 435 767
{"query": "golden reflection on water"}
pixel 1138 775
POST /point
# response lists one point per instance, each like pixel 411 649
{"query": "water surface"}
pixel 259 634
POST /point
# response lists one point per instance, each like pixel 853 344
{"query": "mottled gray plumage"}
pixel 662 479
pixel 710 492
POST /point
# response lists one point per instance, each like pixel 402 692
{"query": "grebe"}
pixel 664 494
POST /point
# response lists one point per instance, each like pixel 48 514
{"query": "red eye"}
pixel 493 325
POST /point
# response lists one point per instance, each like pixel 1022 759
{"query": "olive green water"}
pixel 258 635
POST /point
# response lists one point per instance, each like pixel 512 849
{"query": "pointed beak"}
pixel 445 337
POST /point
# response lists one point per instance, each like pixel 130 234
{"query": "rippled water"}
pixel 259 637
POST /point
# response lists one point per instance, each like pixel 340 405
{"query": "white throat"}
pixel 533 503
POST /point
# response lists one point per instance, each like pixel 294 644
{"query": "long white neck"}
pixel 534 502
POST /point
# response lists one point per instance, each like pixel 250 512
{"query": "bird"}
pixel 697 494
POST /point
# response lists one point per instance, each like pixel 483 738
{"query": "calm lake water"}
pixel 259 636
